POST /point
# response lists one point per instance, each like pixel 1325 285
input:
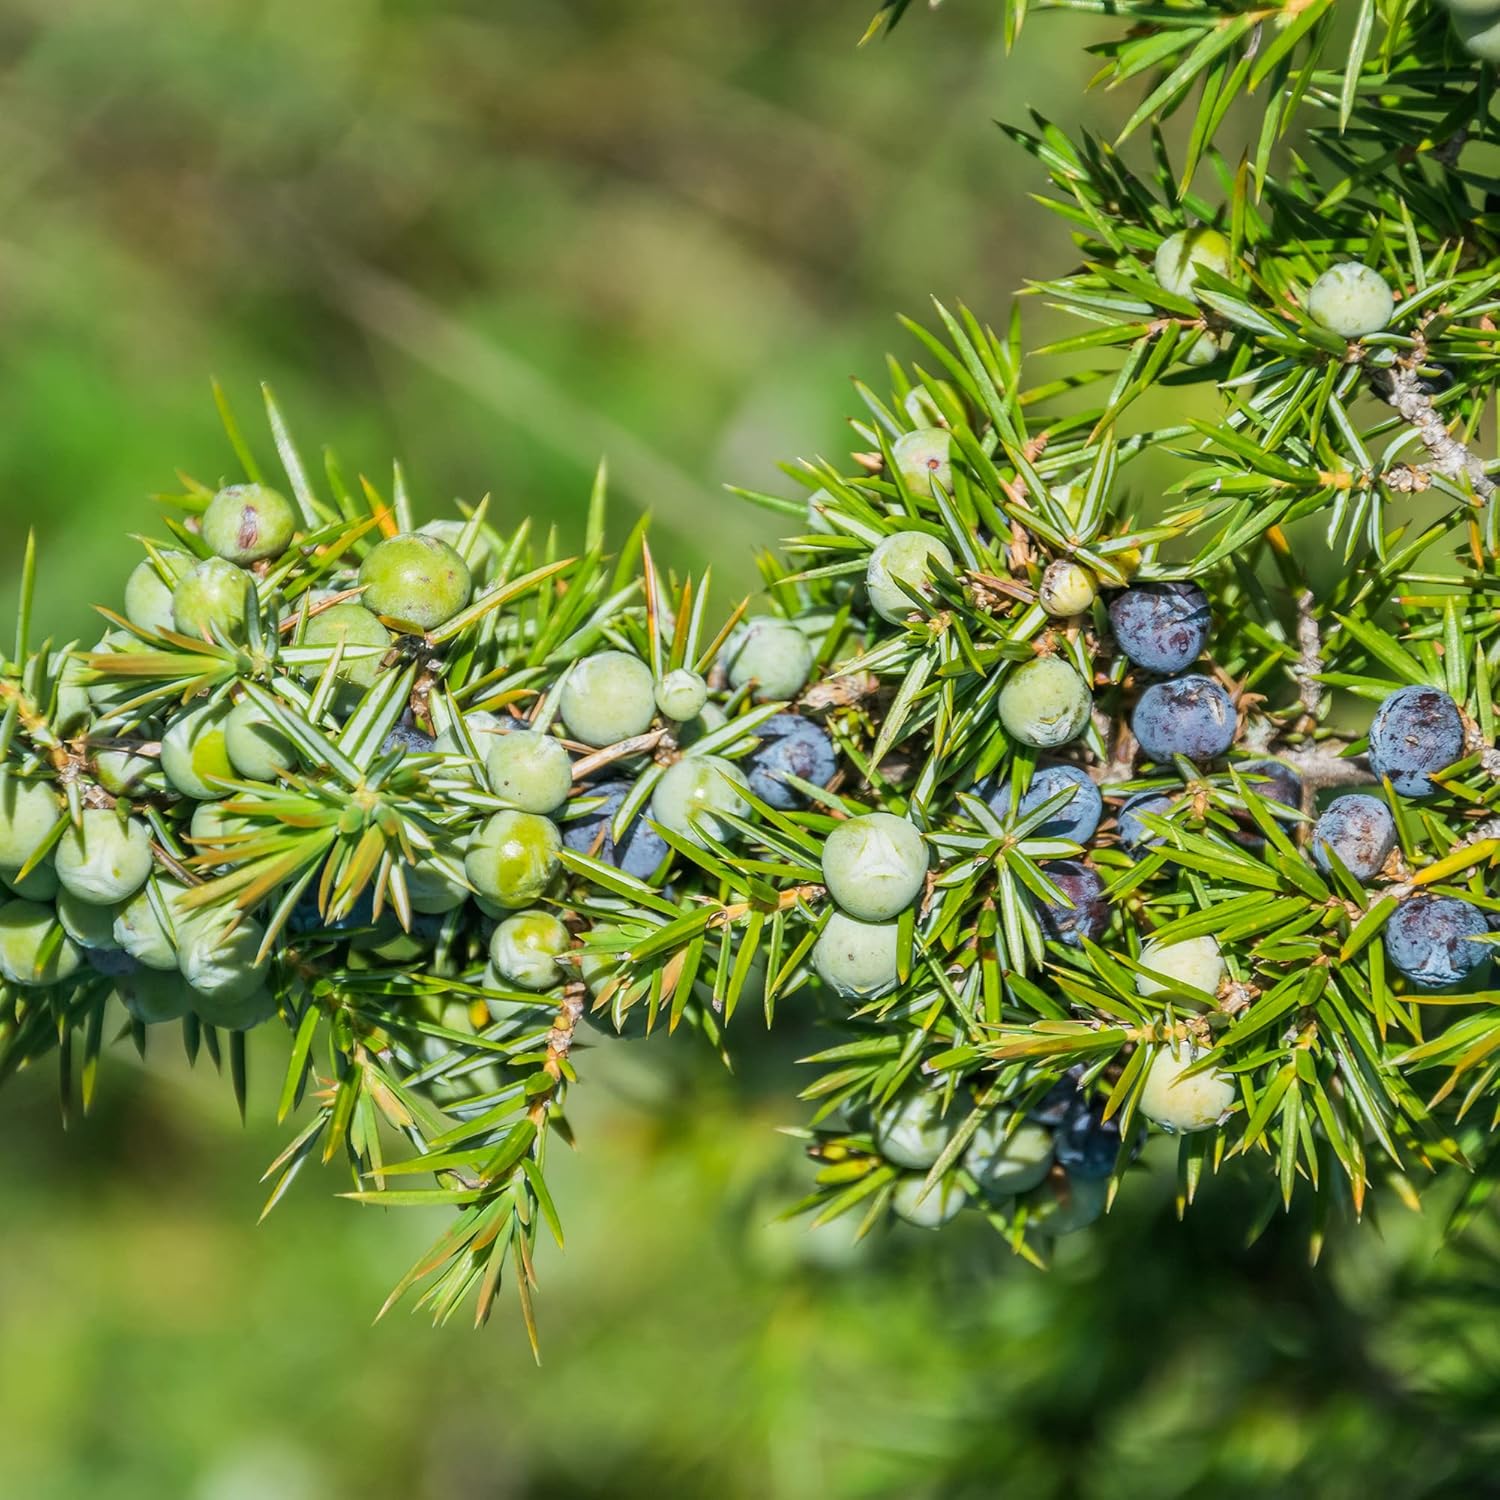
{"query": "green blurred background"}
pixel 500 245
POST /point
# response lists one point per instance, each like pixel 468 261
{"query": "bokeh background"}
pixel 500 241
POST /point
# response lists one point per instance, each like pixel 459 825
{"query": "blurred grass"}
pixel 498 245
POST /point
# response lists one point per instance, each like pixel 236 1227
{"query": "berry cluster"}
pixel 1049 1165
pixel 982 780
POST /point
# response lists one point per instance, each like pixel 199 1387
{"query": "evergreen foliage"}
pixel 431 798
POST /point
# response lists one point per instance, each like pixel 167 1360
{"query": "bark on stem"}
pixel 1401 388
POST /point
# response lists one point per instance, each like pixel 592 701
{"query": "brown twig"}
pixel 1400 387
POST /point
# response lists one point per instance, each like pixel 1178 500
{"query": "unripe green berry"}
pixel 212 600
pixel 154 997
pixel 38 884
pixel 818 503
pixel 1184 1104
pixel 903 557
pixel 932 1211
pixel 532 772
pixel 28 813
pixel 773 655
pixel 232 1010
pixel 1351 300
pixel 1045 703
pixel 1204 350
pixel 87 923
pixel 1179 256
pixel 875 866
pixel 710 718
pixel 257 747
pixel 924 458
pixel 194 755
pixel 513 857
pixel 140 931
pixel 434 887
pixel 213 827
pixel 353 627
pixel 921 405
pixel 525 947
pixel 72 710
pixel 148 600
pixel 221 965
pixel 1480 33
pixel 693 793
pixel 1195 962
pixel 126 774
pixel 27 929
pixel 1003 1164
pixel 608 697
pixel 482 727
pixel 476 554
pixel 247 523
pixel 857 960
pixel 109 696
pixel 913 1131
pixel 681 694
pixel 102 859
pixel 1067 588
pixel 415 580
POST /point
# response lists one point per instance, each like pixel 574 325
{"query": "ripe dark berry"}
pixel 790 745
pixel 1086 1143
pixel 408 739
pixel 638 853
pixel 1416 730
pixel 1060 1101
pixel 1133 834
pixel 1189 716
pixel 1360 830
pixel 1431 939
pixel 1076 819
pixel 1273 781
pixel 1162 627
pixel 1089 914
pixel 1435 381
